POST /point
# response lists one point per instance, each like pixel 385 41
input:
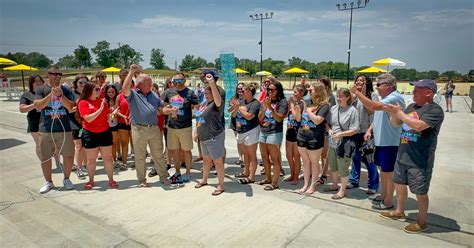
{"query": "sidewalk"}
pixel 243 216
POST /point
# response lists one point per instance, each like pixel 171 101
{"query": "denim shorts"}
pixel 214 147
pixel 271 138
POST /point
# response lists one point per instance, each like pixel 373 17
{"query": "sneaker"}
pixel 351 186
pixel 68 184
pixel 176 180
pixel 80 173
pixel 152 172
pixel 117 164
pixel 168 166
pixel 415 228
pixel 123 167
pixel 186 178
pixel 371 192
pixel 113 184
pixel 381 206
pixel 393 216
pixel 84 170
pixel 47 186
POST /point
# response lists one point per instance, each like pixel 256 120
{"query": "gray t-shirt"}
pixel 209 121
pixel 144 109
pixel 269 125
pixel 343 119
pixel 418 148
pixel 243 125
pixel 54 113
pixel 365 119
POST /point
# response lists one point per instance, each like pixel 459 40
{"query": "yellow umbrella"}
pixel 240 71
pixel 372 70
pixel 21 67
pixel 389 61
pixel 295 70
pixel 111 69
pixel 5 61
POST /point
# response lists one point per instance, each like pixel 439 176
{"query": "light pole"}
pixel 260 17
pixel 351 7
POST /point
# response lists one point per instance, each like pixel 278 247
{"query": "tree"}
pixel 125 55
pixel 451 74
pixel 66 62
pixel 190 63
pixel 83 57
pixel 157 58
pixel 105 57
pixel 34 59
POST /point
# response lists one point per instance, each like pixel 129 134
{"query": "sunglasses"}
pixel 380 84
pixel 179 80
pixel 57 74
pixel 97 89
pixel 82 82
pixel 271 90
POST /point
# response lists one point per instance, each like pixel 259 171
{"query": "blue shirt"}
pixel 143 109
pixel 384 133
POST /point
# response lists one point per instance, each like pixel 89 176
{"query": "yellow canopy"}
pixel 20 67
pixel 296 70
pixel 111 69
pixel 263 73
pixel 372 70
pixel 238 71
pixel 5 61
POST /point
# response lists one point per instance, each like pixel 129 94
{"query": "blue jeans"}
pixel 373 174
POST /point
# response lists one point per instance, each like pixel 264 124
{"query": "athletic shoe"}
pixel 80 173
pixel 152 172
pixel 68 184
pixel 117 164
pixel 168 166
pixel 186 178
pixel 84 170
pixel 47 186
pixel 415 228
pixel 123 167
pixel 176 180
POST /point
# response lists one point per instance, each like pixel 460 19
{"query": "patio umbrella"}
pixel 263 73
pixel 5 61
pixel 295 70
pixel 21 67
pixel 111 69
pixel 388 62
pixel 372 70
pixel 240 71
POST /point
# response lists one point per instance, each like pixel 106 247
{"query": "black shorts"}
pixel 92 140
pixel 310 144
pixel 33 123
pixel 291 135
pixel 124 126
pixel 418 179
pixel 75 134
pixel 114 128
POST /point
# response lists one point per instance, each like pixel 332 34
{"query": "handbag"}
pixel 347 146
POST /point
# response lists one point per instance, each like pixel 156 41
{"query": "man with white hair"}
pixel 144 106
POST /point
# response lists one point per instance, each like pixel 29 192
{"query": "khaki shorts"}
pixel 180 138
pixel 341 165
pixel 47 146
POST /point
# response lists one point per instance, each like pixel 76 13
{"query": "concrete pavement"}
pixel 244 216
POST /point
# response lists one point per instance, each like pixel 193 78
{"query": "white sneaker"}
pixel 68 184
pixel 47 186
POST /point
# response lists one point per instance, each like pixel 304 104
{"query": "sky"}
pixel 425 34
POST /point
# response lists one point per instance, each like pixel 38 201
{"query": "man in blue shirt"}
pixel 386 136
pixel 144 107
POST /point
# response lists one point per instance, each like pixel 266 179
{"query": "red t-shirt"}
pixel 262 96
pixel 161 122
pixel 123 109
pixel 100 123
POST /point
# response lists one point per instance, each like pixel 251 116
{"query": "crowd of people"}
pixel 327 134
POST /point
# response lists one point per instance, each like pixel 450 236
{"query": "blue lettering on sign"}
pixel 229 78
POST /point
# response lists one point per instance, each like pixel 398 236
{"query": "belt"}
pixel 145 125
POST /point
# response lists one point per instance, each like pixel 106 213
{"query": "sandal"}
pixel 89 185
pixel 271 187
pixel 330 189
pixel 217 192
pixel 113 184
pixel 199 185
pixel 264 181
pixel 288 179
pixel 240 175
pixel 246 181
pixel 337 197
pixel 322 180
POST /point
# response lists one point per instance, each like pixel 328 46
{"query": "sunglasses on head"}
pixel 57 74
pixel 178 80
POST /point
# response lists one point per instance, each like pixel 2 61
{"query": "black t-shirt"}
pixel 308 130
pixel 209 120
pixel 418 148
pixel 243 125
pixel 33 115
pixel 183 100
pixel 269 125
pixel 291 124
pixel 75 125
pixel 54 117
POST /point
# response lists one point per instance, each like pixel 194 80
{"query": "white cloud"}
pixel 165 21
pixel 446 18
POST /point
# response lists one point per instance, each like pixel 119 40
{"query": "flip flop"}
pixel 337 197
pixel 217 192
pixel 246 181
pixel 240 175
pixel 264 181
pixel 199 185
pixel 271 187
pixel 330 189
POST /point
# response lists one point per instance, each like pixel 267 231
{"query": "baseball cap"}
pixel 426 83
pixel 212 72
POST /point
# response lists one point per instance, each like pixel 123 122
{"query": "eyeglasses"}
pixel 271 90
pixel 57 74
pixel 178 80
pixel 380 84
pixel 82 82
pixel 97 89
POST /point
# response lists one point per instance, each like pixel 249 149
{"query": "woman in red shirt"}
pixel 96 136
